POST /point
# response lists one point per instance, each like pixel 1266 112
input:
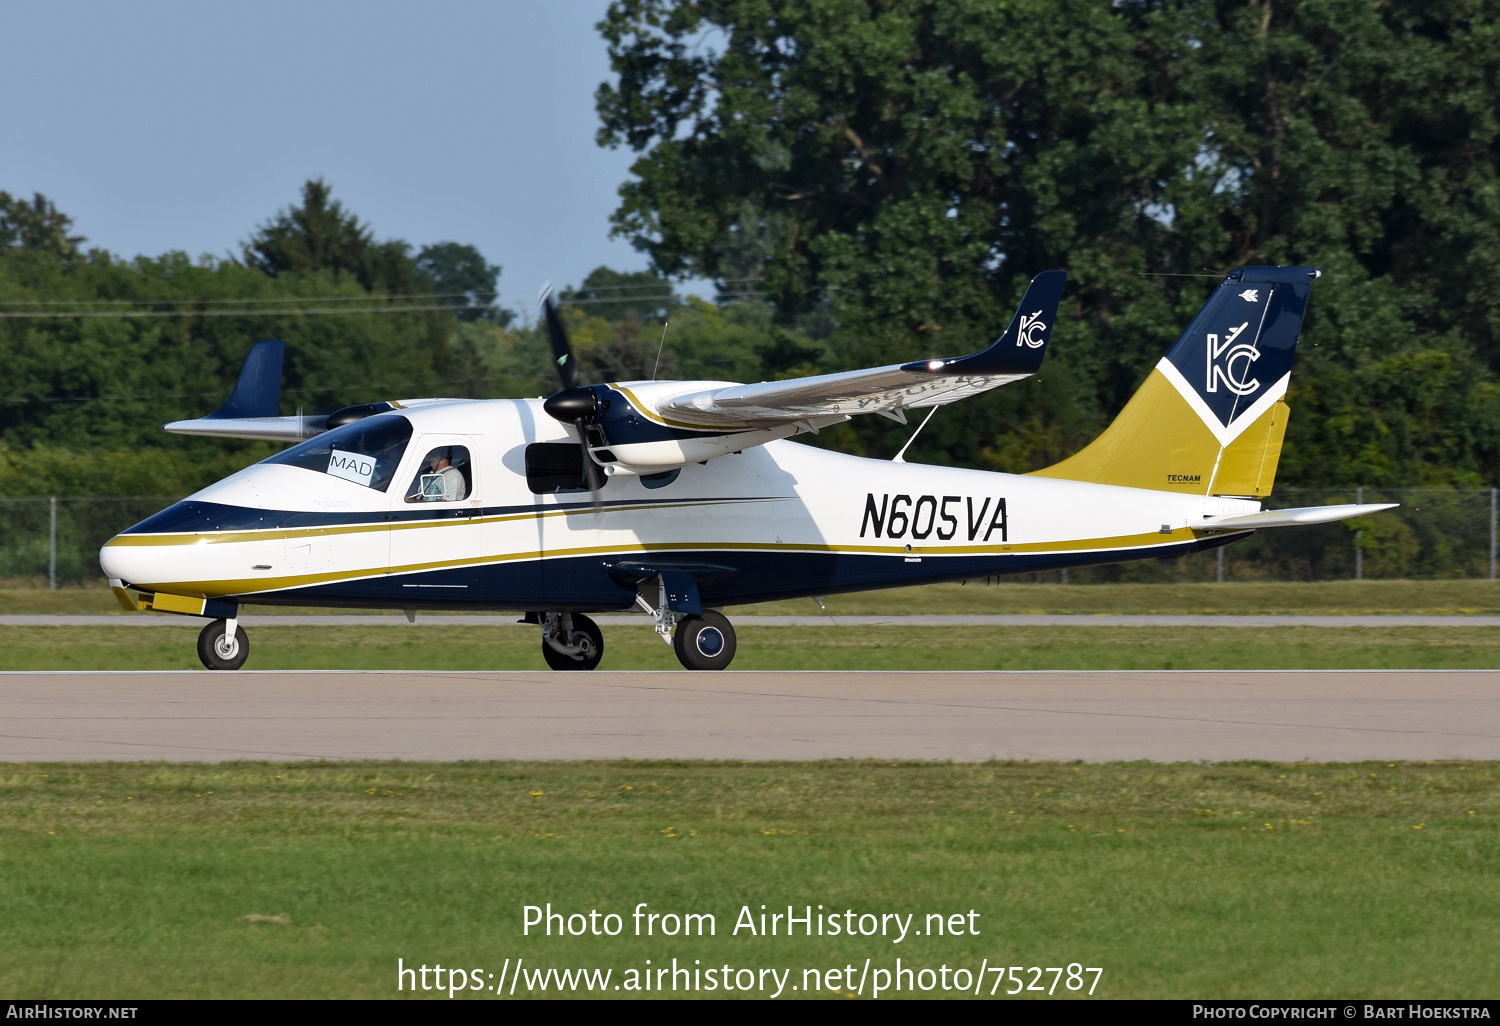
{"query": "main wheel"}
pixel 218 650
pixel 583 633
pixel 704 642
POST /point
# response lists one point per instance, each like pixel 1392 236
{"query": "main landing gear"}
pixel 704 642
pixel 222 645
pixel 571 641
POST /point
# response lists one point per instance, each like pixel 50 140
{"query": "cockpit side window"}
pixel 366 452
pixel 445 475
pixel 553 467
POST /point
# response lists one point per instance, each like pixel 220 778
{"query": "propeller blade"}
pixel 590 468
pixel 562 351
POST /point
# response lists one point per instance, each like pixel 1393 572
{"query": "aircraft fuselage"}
pixel 778 520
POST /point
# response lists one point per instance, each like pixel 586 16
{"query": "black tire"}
pixel 585 631
pixel 216 654
pixel 704 642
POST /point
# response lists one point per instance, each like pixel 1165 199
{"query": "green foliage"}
pixel 462 275
pixel 870 183
pixel 37 225
pixel 620 295
pixel 1236 880
pixel 914 163
pixel 321 235
pixel 85 396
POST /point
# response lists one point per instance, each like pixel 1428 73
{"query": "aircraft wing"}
pixel 250 411
pixel 1292 517
pixel 276 429
pixel 888 390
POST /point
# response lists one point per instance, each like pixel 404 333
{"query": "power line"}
pixel 574 293
pixel 331 311
pixel 294 312
pixel 279 299
pixel 25 401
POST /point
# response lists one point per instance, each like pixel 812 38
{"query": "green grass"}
pixel 1234 880
pixel 1456 596
pixel 636 647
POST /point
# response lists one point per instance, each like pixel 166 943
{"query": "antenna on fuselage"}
pixel 659 348
pixel 898 458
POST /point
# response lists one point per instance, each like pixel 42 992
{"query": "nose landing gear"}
pixel 222 645
pixel 571 641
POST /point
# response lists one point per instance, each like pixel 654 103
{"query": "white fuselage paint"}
pixel 782 496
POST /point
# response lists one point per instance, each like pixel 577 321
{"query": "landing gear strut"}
pixel 571 641
pixel 222 645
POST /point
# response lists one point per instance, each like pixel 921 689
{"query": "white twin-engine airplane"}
pixel 683 497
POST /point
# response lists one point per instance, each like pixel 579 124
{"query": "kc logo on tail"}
pixel 1026 333
pixel 1230 363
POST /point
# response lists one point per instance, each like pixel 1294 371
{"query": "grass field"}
pixel 1235 880
pixel 1457 596
pixel 635 646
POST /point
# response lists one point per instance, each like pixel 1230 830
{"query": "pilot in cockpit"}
pixel 440 480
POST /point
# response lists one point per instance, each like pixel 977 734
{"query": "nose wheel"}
pixel 571 641
pixel 704 642
pixel 223 648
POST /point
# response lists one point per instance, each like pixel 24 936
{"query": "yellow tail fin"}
pixel 1211 416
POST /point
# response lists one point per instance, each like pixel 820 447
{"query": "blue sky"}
pixel 167 125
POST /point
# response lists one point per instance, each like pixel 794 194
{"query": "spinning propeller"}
pixel 575 404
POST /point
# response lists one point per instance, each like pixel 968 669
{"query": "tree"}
pixel 321 235
pixel 621 295
pixel 461 273
pixel 912 163
pixel 36 226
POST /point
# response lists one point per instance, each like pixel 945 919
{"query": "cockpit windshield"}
pixel 366 452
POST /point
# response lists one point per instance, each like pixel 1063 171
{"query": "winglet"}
pixel 1021 348
pixel 257 393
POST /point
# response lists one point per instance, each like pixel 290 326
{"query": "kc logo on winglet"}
pixel 1230 363
pixel 1026 335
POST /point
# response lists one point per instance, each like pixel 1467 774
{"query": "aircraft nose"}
pixel 130 563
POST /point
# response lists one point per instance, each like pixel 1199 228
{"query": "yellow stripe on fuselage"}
pixel 214 589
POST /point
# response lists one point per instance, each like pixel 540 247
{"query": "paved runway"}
pixel 1158 715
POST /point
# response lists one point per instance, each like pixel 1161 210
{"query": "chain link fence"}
pixel 55 540
pixel 1434 533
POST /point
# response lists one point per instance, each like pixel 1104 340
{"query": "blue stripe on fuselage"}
pixel 584 584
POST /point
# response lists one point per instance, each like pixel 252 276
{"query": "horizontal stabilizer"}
pixel 1292 517
pixel 888 390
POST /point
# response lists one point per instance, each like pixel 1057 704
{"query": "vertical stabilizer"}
pixel 257 393
pixel 1210 418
